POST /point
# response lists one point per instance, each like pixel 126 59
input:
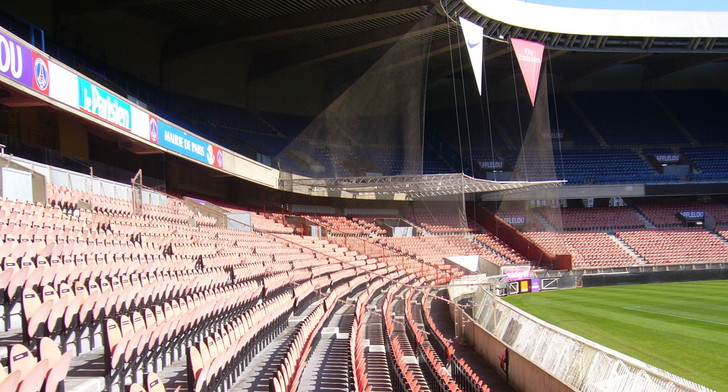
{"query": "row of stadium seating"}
pixel 432 248
pixel 666 214
pixel 634 234
pixel 443 222
pixel 618 118
pixel 684 245
pixel 587 249
pixel 158 284
pixel 587 237
pixel 437 376
pixel 634 247
pixel 594 218
pixel 599 217
pixel 30 372
pixel 342 225
pixel 368 367
pixel 49 269
pixel 170 280
pixel 619 165
pixel 641 215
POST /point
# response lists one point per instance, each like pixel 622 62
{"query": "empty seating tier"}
pixel 163 287
pixel 588 249
pixel 604 218
pixel 677 245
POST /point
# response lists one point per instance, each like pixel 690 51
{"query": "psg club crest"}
pixel 153 130
pixel 40 74
pixel 219 158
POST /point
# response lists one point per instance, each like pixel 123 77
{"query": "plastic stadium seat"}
pixel 17 282
pixel 154 384
pixel 32 372
pixel 35 313
pixel 58 364
pixel 9 382
pixel 136 388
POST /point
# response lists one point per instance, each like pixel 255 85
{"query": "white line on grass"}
pixel 672 315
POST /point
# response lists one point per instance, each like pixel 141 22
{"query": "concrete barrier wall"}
pixel 654 277
pixel 543 357
pixel 523 374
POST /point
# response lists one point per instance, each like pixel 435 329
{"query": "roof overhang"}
pixel 419 186
pixel 596 29
pixel 609 22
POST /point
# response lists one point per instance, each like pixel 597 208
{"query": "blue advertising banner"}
pixel 102 104
pixel 186 144
pixel 24 65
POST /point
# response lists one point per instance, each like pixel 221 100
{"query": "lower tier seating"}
pixel 144 294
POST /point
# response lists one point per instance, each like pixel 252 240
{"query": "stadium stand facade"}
pixel 210 272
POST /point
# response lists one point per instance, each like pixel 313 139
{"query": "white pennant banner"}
pixel 473 34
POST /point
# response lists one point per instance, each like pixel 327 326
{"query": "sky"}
pixel 654 5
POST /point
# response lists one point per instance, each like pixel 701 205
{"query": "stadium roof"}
pixel 609 22
pixel 597 29
pixel 662 5
pixel 279 34
pixel 347 36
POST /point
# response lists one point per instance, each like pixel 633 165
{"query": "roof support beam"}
pixel 192 41
pixel 73 6
pixel 488 57
pixel 664 68
pixel 459 66
pixel 344 46
pixel 616 60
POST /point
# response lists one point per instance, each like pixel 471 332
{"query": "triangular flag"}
pixel 473 34
pixel 530 56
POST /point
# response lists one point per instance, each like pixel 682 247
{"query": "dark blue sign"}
pixel 693 214
pixel 667 158
pixel 514 219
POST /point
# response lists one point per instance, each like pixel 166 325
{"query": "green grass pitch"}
pixel 678 327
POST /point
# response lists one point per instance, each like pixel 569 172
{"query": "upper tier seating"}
pixel 338 224
pixel 588 248
pixel 605 218
pixel 666 214
pixel 676 245
pixel 443 223
pixel 433 248
pixel 701 112
pixel 531 221
pixel 711 162
pixel 629 118
pixel 490 241
pixel 368 223
pixel 597 166
pixel 564 117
